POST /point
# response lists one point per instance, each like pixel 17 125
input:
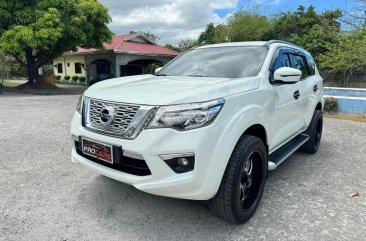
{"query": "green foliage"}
pixel 151 36
pixel 75 78
pixel 186 44
pixel 306 28
pixel 331 104
pixel 58 77
pixel 243 25
pixel 42 30
pixel 4 65
pixel 82 79
pixel 170 46
pixel 67 77
pixel 207 36
pixel 347 54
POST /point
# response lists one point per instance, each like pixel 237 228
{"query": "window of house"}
pixel 59 68
pixel 77 68
pixel 299 62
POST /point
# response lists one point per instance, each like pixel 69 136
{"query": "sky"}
pixel 173 20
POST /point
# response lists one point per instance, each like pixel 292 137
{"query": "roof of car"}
pixel 251 43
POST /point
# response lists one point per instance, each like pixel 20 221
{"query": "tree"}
pixel 306 28
pixel 42 30
pixel 186 44
pixel 243 25
pixel 348 54
pixel 172 47
pixel 207 36
pixel 151 36
pixel 4 66
pixel 356 18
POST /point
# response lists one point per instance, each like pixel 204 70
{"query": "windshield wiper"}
pixel 161 75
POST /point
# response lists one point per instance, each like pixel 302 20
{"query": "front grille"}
pixel 121 163
pixel 124 115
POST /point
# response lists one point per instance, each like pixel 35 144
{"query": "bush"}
pixel 75 78
pixel 331 104
pixel 82 79
pixel 67 77
pixel 58 77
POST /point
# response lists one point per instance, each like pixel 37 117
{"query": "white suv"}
pixel 207 126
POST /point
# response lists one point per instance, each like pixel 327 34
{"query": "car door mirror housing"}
pixel 287 75
pixel 158 69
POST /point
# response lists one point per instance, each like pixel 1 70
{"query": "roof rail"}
pixel 279 42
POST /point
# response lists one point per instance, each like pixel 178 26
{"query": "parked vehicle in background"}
pixel 207 126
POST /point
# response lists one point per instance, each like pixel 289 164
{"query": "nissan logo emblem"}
pixel 107 115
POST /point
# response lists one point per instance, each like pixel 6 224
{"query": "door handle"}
pixel 296 94
pixel 315 88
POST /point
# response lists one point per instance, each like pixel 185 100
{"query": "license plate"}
pixel 98 150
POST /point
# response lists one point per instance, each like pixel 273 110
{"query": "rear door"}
pixel 307 85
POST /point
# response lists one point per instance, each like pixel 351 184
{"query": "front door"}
pixel 286 117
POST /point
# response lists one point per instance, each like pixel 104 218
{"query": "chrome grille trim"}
pixel 128 122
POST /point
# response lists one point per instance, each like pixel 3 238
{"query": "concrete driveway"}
pixel 43 196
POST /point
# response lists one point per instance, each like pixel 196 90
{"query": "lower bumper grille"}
pixel 121 163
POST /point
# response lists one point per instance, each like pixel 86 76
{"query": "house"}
pixel 128 54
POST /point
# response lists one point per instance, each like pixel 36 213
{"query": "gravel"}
pixel 43 196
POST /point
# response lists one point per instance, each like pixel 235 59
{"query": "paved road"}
pixel 43 196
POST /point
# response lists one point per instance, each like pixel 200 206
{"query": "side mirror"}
pixel 287 75
pixel 158 69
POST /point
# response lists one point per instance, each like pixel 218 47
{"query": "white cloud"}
pixel 170 20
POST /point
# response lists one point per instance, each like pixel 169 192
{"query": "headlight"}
pixel 79 105
pixel 186 116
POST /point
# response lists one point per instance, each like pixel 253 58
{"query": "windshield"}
pixel 225 62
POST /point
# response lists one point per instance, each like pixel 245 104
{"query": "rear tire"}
pixel 243 183
pixel 314 131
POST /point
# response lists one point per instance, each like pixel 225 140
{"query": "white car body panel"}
pixel 248 101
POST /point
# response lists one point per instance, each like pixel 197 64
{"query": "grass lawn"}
pixel 65 85
pixel 351 117
pixel 10 84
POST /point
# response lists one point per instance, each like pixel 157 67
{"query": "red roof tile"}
pixel 121 43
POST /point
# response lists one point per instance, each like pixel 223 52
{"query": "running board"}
pixel 280 155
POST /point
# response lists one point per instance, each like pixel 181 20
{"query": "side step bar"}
pixel 280 155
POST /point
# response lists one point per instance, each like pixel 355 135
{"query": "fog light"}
pixel 183 162
pixel 179 163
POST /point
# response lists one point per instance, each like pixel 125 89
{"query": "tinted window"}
pixel 281 61
pixel 311 64
pixel 225 62
pixel 77 68
pixel 299 62
pixel 59 68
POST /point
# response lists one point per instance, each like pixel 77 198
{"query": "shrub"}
pixel 331 104
pixel 75 78
pixel 67 77
pixel 58 77
pixel 82 79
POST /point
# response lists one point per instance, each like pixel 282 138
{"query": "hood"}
pixel 166 90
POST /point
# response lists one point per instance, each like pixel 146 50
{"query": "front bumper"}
pixel 212 146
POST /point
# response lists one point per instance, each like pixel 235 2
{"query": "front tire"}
pixel 243 183
pixel 314 131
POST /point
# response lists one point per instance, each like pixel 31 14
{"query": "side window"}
pixel 59 68
pixel 281 61
pixel 311 64
pixel 299 62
